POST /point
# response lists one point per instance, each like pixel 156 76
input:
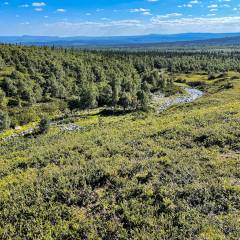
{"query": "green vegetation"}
pixel 44 126
pixel 127 175
pixel 4 120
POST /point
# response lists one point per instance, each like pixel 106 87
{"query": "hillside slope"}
pixel 134 176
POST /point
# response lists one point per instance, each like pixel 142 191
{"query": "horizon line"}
pixel 102 36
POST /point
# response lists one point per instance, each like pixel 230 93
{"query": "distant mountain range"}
pixel 153 39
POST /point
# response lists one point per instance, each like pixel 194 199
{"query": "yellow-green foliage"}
pixel 134 176
pixel 7 133
pixel 6 72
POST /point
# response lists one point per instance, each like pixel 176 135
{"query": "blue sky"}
pixel 117 17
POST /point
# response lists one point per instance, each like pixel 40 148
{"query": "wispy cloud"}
pixel 39 4
pixel 61 10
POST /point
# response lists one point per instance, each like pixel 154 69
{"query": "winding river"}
pixel 191 95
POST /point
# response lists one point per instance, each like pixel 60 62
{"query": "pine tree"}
pixel 144 100
pixel 4 120
pixel 88 97
pixel 116 88
pixel 2 98
pixel 125 100
pixel 2 63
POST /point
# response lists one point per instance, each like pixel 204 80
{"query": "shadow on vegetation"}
pixel 111 112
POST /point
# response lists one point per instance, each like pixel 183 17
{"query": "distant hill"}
pixel 186 38
pixel 218 42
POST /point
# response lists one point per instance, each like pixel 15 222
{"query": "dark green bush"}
pixel 44 125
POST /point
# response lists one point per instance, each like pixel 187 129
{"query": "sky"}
pixel 117 17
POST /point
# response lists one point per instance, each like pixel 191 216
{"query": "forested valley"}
pixel 87 150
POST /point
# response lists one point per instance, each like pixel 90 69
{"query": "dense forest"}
pixel 96 79
pixel 88 79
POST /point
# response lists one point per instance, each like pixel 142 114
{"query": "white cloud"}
pixel 195 2
pixel 146 14
pixel 169 15
pixel 189 5
pixel 121 27
pixel 143 11
pixel 38 4
pixel 38 9
pixel 139 10
pixel 217 22
pixel 213 6
pixel 61 10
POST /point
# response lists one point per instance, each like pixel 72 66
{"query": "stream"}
pixel 167 102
